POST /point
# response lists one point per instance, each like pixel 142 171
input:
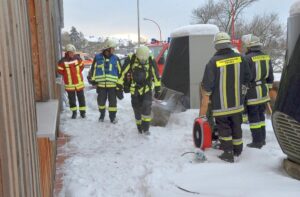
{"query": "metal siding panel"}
pixel 201 50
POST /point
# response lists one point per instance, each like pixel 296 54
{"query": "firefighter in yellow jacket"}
pixel 71 67
pixel 258 93
pixel 140 68
pixel 224 83
pixel 104 73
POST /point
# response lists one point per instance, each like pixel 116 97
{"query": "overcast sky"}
pixel 115 17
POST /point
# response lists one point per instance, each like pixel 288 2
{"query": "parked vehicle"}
pixel 87 60
pixel 286 112
pixel 160 52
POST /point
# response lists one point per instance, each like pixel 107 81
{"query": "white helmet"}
pixel 109 43
pixel 222 38
pixel 251 40
pixel 70 48
pixel 143 53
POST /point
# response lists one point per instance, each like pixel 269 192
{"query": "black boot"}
pixel 74 115
pixel 101 118
pixel 227 156
pixel 114 120
pixel 146 132
pixel 139 127
pixel 255 145
pixel 263 128
pixel 82 114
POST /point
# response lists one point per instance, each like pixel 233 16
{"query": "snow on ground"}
pixel 115 161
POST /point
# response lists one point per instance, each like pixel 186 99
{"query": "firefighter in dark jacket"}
pixel 104 73
pixel 143 72
pixel 258 93
pixel 70 67
pixel 224 83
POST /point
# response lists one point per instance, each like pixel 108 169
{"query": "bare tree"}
pixel 220 12
pixel 267 26
pixel 206 13
pixel 271 33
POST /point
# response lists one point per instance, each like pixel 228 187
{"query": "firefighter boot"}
pixel 263 131
pixel 227 156
pixel 82 114
pixel 114 121
pixel 139 127
pixel 74 115
pixel 101 118
pixel 255 145
pixel 146 132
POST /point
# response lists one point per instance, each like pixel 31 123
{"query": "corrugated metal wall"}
pixel 29 50
pixel 19 156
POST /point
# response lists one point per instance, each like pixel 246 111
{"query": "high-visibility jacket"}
pixel 262 77
pixel 223 78
pixel 152 75
pixel 105 71
pixel 71 70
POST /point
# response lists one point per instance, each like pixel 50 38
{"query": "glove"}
pixel 89 78
pixel 119 94
pixel 203 117
pixel 119 87
pixel 157 92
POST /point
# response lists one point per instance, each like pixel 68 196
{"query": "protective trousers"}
pixel 230 133
pixel 103 95
pixel 81 100
pixel 256 116
pixel 141 105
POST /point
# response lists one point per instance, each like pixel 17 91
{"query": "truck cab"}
pixel 159 51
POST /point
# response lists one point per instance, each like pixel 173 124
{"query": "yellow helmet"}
pixel 109 43
pixel 70 48
pixel 143 53
pixel 222 38
pixel 251 40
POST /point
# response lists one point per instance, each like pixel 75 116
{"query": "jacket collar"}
pixel 224 51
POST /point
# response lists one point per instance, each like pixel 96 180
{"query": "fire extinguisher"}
pixel 202 135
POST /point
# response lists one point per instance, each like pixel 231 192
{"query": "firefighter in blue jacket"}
pixel 104 73
pixel 140 68
pixel 224 84
pixel 258 93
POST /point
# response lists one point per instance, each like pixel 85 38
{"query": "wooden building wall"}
pixel 29 50
pixel 19 154
pixel 45 25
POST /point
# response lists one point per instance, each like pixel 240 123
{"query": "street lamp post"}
pixel 147 19
pixel 138 16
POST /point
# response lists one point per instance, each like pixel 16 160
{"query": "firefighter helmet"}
pixel 222 38
pixel 109 43
pixel 251 40
pixel 70 48
pixel 142 53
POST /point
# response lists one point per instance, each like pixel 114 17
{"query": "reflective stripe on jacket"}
pixel 105 71
pixel 151 75
pixel 262 77
pixel 224 76
pixel 71 70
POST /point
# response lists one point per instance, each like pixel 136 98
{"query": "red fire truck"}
pixel 159 51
